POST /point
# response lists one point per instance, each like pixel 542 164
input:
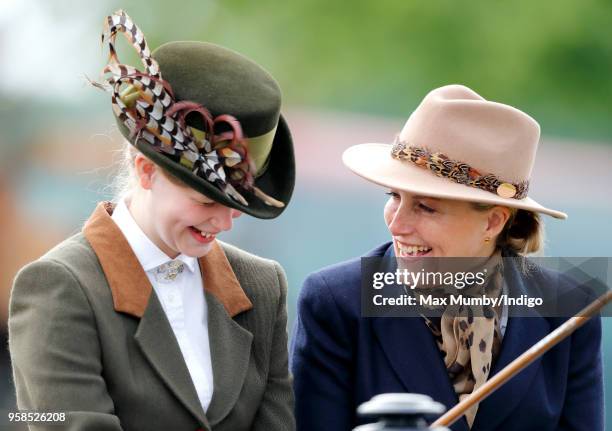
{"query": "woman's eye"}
pixel 425 208
pixel 393 195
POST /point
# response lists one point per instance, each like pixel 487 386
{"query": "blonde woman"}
pixel 457 179
pixel 144 320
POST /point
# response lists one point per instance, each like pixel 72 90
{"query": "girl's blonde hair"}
pixel 126 180
pixel 523 232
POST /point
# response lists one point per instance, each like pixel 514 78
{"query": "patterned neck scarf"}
pixel 469 338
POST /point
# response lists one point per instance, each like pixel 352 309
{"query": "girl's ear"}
pixel 145 170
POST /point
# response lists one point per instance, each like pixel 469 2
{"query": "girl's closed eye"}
pixel 394 195
pixel 204 204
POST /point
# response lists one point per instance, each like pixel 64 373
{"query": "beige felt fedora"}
pixel 457 145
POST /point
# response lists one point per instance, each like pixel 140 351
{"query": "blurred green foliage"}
pixel 551 59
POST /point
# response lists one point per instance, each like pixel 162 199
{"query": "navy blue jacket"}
pixel 340 359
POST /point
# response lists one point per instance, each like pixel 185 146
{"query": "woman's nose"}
pixel 402 221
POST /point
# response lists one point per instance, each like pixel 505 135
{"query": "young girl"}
pixel 144 321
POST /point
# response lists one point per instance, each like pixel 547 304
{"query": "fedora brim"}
pixel 374 163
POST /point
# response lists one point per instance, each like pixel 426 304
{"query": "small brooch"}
pixel 168 272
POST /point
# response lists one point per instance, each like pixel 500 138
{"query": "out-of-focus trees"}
pixel 552 59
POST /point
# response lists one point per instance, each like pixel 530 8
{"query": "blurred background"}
pixel 351 72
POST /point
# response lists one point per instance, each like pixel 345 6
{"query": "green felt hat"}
pixel 164 111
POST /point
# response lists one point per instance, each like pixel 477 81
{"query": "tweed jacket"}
pixel 88 336
pixel 340 360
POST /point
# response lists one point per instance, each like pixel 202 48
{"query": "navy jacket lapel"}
pixel 414 356
pixel 417 363
pixel 521 334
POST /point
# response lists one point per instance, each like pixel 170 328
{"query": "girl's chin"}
pixel 196 251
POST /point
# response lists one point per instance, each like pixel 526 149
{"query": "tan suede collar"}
pixel 129 283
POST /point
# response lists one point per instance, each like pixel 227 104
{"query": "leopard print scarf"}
pixel 469 338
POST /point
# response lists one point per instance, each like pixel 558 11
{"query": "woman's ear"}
pixel 496 220
pixel 145 170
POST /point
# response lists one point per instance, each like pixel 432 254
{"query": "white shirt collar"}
pixel 147 253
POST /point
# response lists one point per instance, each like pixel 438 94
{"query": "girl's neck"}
pixel 138 207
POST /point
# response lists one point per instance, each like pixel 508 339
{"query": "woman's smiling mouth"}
pixel 412 250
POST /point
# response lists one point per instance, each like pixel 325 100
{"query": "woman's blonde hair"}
pixel 523 232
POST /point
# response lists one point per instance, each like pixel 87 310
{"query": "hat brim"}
pixel 374 163
pixel 277 181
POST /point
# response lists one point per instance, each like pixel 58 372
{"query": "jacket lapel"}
pixel 414 356
pixel 416 361
pixel 126 279
pixel 230 343
pixel 133 294
pixel 230 349
pixel 521 334
pixel 158 344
